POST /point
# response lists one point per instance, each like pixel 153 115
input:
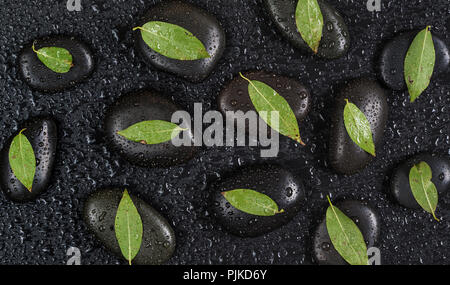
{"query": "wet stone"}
pixel 42 134
pixel 158 240
pixel 400 187
pixel 364 217
pixel 41 78
pixel 144 106
pixel 345 156
pixel 392 59
pixel 335 39
pixel 235 97
pixel 200 23
pixel 277 183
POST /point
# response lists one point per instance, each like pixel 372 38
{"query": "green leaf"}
pixel 419 63
pixel 151 132
pixel 265 99
pixel 346 237
pixel 309 21
pixel 252 202
pixel 172 41
pixel 128 227
pixel 358 127
pixel 423 188
pixel 57 59
pixel 22 160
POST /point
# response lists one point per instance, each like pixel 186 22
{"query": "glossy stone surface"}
pixel 277 183
pixel 335 39
pixel 200 23
pixel 144 106
pixel 400 187
pixel 43 79
pixel 345 156
pixel 42 134
pixel 392 59
pixel 364 217
pixel 158 240
pixel 235 97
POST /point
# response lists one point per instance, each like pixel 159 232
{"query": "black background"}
pixel 40 232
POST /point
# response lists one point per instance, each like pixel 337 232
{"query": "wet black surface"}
pixel 40 232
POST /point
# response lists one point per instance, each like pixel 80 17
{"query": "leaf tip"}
pixel 315 48
pixel 299 140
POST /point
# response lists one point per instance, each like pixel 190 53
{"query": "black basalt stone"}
pixel 364 217
pixel 42 134
pixel 235 97
pixel 200 23
pixel 335 39
pixel 392 59
pixel 277 183
pixel 158 240
pixel 43 79
pixel 144 106
pixel 440 168
pixel 345 156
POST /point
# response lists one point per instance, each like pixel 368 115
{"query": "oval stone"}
pixel 364 217
pixel 335 36
pixel 277 183
pixel 42 134
pixel 400 187
pixel 43 79
pixel 144 106
pixel 200 23
pixel 392 59
pixel 235 97
pixel 158 239
pixel 345 156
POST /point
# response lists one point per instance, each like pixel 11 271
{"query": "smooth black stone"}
pixel 277 183
pixel 144 106
pixel 345 156
pixel 335 39
pixel 43 79
pixel 392 59
pixel 200 23
pixel 364 217
pixel 235 97
pixel 42 134
pixel 400 189
pixel 158 240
